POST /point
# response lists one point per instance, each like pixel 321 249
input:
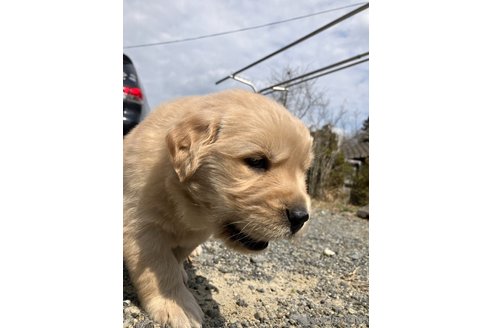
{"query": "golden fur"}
pixel 186 178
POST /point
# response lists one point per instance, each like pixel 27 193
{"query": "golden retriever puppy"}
pixel 232 165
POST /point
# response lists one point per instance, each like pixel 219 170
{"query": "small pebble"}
pixel 241 302
pixel 328 252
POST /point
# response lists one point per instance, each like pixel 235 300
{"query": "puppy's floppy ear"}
pixel 188 142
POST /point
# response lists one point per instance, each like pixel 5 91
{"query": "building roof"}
pixel 357 147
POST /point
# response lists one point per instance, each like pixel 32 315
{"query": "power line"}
pixel 321 74
pixel 239 30
pixel 316 71
pixel 329 72
pixel 319 30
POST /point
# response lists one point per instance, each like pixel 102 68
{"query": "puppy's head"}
pixel 243 158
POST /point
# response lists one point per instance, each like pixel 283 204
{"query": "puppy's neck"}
pixel 192 213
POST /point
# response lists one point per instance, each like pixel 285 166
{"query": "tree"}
pixel 327 174
pixel 365 125
pixel 359 194
pixel 304 100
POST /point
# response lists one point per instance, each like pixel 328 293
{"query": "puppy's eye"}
pixel 257 163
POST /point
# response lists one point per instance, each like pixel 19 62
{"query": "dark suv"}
pixel 133 101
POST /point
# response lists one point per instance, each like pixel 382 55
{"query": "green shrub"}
pixel 339 172
pixel 359 194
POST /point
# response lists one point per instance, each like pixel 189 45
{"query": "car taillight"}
pixel 133 92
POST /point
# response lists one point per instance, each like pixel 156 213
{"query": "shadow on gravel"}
pixel 202 289
pixel 129 292
pixel 199 286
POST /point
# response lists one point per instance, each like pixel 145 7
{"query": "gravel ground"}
pixel 320 281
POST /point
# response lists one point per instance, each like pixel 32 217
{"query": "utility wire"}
pixel 321 29
pixel 329 72
pixel 239 30
pixel 320 75
pixel 316 71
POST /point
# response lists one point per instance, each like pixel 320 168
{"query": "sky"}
pixel 192 68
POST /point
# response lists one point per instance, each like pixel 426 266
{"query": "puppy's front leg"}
pixel 182 253
pixel 157 276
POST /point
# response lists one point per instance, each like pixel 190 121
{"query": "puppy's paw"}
pixel 182 312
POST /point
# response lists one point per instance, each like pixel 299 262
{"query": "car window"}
pixel 129 75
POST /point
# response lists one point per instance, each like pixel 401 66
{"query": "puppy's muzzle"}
pixel 297 217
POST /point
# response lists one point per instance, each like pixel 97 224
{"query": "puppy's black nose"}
pixel 297 216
